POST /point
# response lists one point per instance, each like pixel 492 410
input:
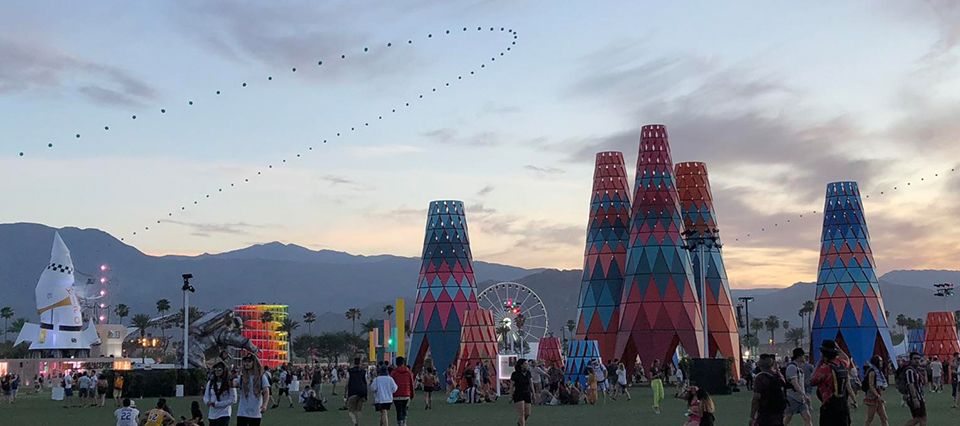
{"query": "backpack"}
pixel 289 379
pixel 779 401
pixel 865 385
pixel 430 380
pixel 901 380
pixel 842 375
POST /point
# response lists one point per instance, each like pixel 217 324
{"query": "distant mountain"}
pixel 328 282
pixel 307 280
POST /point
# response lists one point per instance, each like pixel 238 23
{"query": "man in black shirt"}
pixel 356 391
pixel 470 377
pixel 769 400
pixel 522 391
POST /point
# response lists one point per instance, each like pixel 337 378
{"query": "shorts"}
pixel 429 389
pixel 68 391
pixel 383 407
pixel 83 392
pixel 118 393
pixel 917 412
pixel 355 403
pixel 283 391
pixel 248 421
pixel 795 406
pixel 523 398
pixel 602 386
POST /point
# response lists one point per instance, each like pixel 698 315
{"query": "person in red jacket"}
pixel 401 398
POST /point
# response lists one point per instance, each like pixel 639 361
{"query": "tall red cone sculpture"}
pixel 700 222
pixel 446 289
pixel 659 309
pixel 478 341
pixel 941 340
pixel 605 257
pixel 548 351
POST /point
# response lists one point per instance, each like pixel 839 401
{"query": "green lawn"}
pixel 38 410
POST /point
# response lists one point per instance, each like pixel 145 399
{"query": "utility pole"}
pixel 187 289
pixel 701 240
pixel 746 307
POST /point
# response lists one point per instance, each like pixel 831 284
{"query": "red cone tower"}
pixel 548 351
pixel 941 340
pixel 659 309
pixel 699 220
pixel 478 340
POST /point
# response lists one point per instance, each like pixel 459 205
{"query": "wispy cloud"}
pixel 543 171
pixel 384 150
pixel 486 190
pixel 210 229
pixel 448 136
pixel 345 182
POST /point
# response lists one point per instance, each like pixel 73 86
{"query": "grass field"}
pixel 37 410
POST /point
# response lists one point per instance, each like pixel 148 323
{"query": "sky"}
pixel 777 97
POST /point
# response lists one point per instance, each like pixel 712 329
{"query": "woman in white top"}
pixel 622 380
pixel 383 387
pixel 219 395
pixel 254 388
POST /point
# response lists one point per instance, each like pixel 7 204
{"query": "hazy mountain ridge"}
pixel 327 282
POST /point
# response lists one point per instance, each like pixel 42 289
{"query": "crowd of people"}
pixel 785 389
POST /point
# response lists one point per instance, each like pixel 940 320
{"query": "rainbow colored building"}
pixel 262 324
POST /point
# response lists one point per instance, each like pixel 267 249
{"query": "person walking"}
pixel 591 386
pixel 470 383
pixel 833 385
pixel 955 371
pixel 522 391
pixel 383 386
pixel 283 385
pixel 356 391
pixel 602 384
pixel 254 392
pixel 875 383
pixel 536 377
pixel 769 400
pixel 656 385
pixel 914 395
pixel 622 380
pixel 936 374
pixel 797 400
pixel 219 396
pixel 430 384
pixel 402 397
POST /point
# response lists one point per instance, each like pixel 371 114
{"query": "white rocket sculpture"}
pixel 61 329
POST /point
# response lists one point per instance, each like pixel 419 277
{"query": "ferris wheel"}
pixel 519 315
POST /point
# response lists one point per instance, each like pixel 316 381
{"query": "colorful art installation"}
pixel 446 289
pixel 478 341
pixel 61 332
pixel 941 336
pixel 700 221
pixel 261 324
pixel 605 257
pixel 548 351
pixel 659 307
pixel 579 355
pixel 849 306
pixel 915 340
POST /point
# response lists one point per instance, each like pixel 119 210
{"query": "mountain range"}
pixel 329 282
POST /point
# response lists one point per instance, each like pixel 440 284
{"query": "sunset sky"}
pixel 777 97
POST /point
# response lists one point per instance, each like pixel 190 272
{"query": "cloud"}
pixel 448 136
pixel 32 66
pixel 209 229
pixel 342 181
pixel 543 171
pixel 383 150
pixel 486 190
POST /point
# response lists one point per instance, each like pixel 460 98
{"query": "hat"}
pixel 133 404
pixel 829 347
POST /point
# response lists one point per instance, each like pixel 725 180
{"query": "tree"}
pixel 142 323
pixel 902 323
pixel 388 309
pixel 772 323
pixel 369 326
pixel 309 318
pixel 751 341
pixel 807 310
pixel 353 314
pixel 786 324
pixel 266 317
pixel 288 325
pixel 163 306
pixel 6 312
pixel 571 326
pixel 756 325
pixel 795 335
pixel 17 325
pixel 122 311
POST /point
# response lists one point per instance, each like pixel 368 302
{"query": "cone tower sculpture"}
pixel 915 339
pixel 446 289
pixel 849 306
pixel 659 308
pixel 941 336
pixel 700 221
pixel 604 259
pixel 579 355
pixel 548 351
pixel 478 341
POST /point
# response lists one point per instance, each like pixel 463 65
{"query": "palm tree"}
pixel 369 326
pixel 571 326
pixel 17 325
pixel 772 323
pixel 163 306
pixel 122 311
pixel 266 317
pixel 353 314
pixel 288 325
pixel 6 312
pixel 756 325
pixel 142 323
pixel 388 309
pixel 902 322
pixel 807 310
pixel 786 324
pixel 794 335
pixel 309 318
